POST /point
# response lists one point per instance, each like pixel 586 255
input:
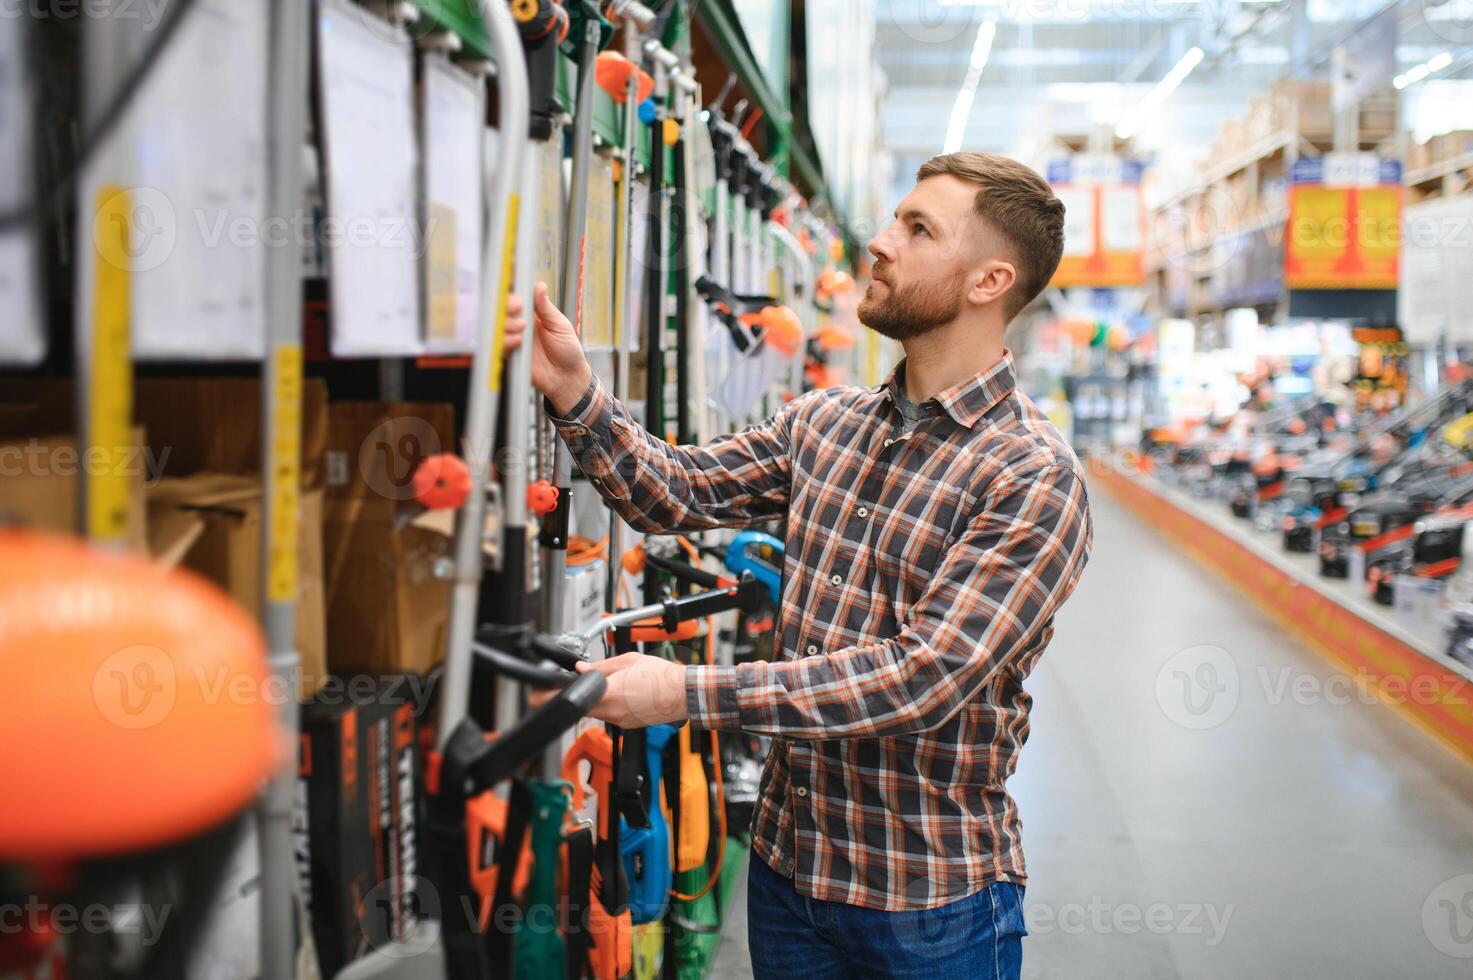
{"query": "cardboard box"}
pixel 214 425
pixel 211 524
pixel 388 586
pixel 1450 146
pixel 41 477
pixel 207 431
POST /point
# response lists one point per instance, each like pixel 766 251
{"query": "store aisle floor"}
pixel 1276 832
pixel 1202 796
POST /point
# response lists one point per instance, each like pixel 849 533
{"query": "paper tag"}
pixel 440 272
pixel 598 261
pixel 336 462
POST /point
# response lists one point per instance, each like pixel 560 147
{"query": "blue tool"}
pixel 762 555
pixel 646 850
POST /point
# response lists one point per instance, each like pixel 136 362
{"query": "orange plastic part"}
pixel 595 747
pixel 612 955
pixel 485 815
pixel 135 702
pixel 651 631
pixel 611 73
pixel 694 834
pixel 442 482
pixel 633 560
pixel 831 282
pixel 542 498
pixel 781 328
pixel 834 337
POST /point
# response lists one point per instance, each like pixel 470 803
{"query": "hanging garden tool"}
pixel 753 320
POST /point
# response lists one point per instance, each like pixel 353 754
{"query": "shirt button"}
pixel 863 512
pixel 812 649
pixel 801 791
pixel 837 580
pixel 889 443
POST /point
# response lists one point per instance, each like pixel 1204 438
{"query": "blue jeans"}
pixel 979 937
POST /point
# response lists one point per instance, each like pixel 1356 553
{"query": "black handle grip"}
pixel 523 670
pixel 702 604
pixel 549 648
pixel 685 572
pixel 533 732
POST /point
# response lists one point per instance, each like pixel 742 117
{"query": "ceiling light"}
pixel 981 47
pixel 1441 61
pixel 1160 93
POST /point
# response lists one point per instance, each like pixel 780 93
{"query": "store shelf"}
pixel 1437 171
pixel 1160 260
pixel 1333 617
pixel 1263 150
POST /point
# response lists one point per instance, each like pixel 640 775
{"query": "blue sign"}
pixel 1307 170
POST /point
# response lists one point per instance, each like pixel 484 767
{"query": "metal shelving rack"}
pixel 104 363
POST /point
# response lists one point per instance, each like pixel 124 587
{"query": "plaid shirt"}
pixel 921 577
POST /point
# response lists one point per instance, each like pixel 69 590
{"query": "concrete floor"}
pixel 1203 797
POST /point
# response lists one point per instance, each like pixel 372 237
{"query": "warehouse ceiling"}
pixel 1066 67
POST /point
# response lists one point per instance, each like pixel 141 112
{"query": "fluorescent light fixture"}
pixel 956 127
pixel 1414 75
pixel 1160 93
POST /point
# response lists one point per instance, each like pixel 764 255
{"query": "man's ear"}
pixel 995 277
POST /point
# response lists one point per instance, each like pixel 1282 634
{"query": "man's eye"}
pixel 919 229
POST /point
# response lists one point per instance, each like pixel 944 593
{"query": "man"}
pixel 934 526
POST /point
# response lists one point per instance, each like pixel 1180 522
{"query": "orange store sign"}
pixel 1344 223
pixel 1104 221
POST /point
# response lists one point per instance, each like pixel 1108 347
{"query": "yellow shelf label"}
pixel 508 267
pixel 110 374
pixel 286 474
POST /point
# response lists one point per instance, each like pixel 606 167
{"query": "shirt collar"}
pixel 968 400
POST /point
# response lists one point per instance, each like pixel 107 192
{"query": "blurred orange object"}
pixel 135 705
pixel 781 328
pixel 611 72
pixel 834 281
pixel 834 337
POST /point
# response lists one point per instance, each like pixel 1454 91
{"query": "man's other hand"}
pixel 560 371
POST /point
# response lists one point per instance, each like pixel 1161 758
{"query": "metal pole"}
pixel 721 264
pixel 103 331
pixel 629 159
pixel 505 209
pixel 518 445
pixel 555 544
pixel 281 448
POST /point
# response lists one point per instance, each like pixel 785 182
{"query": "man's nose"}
pixel 881 248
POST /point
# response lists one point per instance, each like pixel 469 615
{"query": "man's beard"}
pixel 913 311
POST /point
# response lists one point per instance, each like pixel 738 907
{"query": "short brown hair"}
pixel 1020 206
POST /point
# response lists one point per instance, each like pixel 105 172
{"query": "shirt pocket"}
pixel 921 534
